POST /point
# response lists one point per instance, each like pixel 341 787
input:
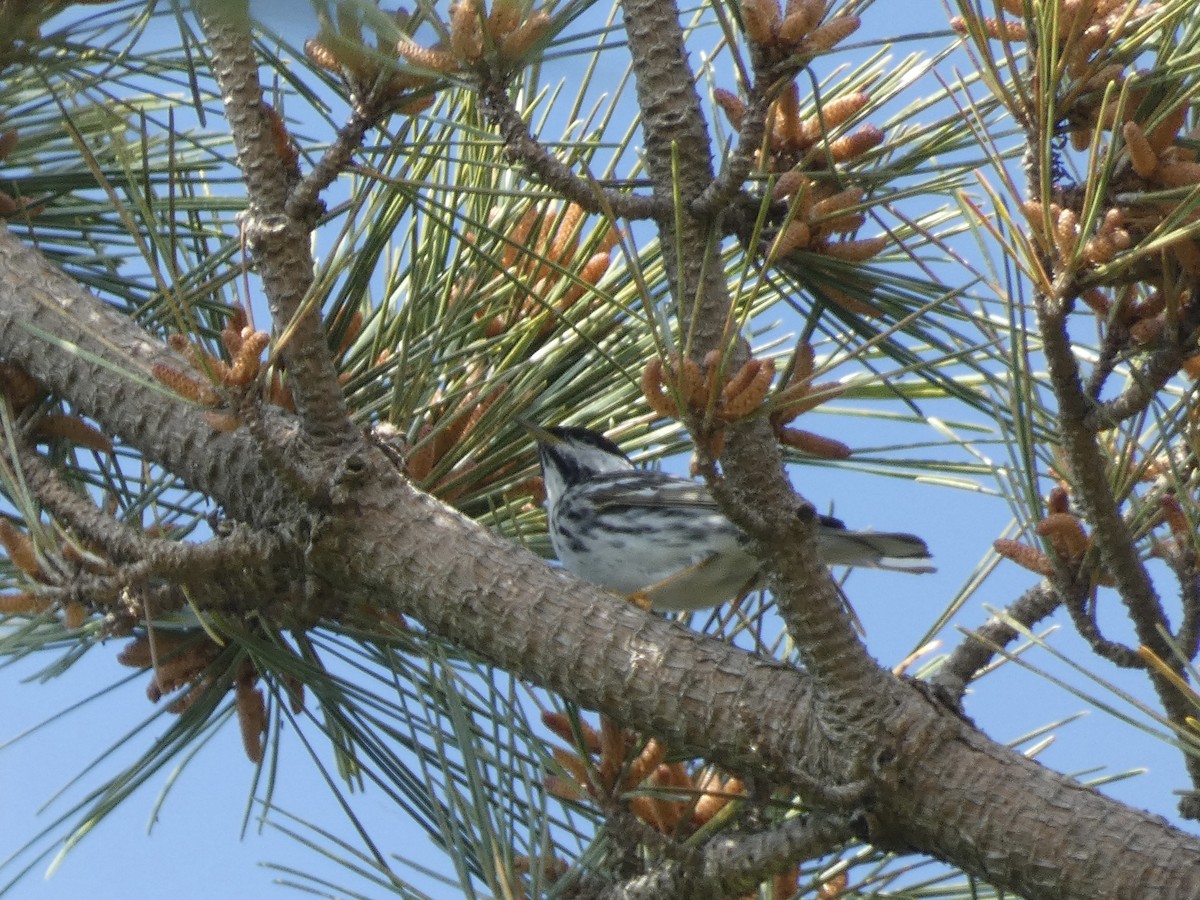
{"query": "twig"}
pixel 1144 386
pixel 976 652
pixel 737 166
pixel 305 196
pixel 1183 564
pixel 524 148
pixel 1083 616
pixel 229 572
pixel 1089 478
pixel 119 542
pixel 731 866
pixel 1115 337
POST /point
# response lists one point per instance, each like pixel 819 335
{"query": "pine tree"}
pixel 269 315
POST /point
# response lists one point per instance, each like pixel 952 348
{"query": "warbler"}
pixel 663 539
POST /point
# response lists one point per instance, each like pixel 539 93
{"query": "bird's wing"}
pixel 831 523
pixel 650 489
pixel 618 489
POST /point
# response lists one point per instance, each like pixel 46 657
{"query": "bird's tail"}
pixel 875 550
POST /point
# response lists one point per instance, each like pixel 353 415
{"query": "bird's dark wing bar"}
pixel 651 489
pixel 617 489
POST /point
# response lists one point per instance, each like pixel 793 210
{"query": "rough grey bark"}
pixel 277 235
pixel 89 353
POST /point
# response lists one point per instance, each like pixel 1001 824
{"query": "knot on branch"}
pixel 270 231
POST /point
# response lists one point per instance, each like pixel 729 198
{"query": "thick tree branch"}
pixel 99 360
pixel 950 793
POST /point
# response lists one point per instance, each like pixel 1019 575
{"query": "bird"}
pixel 663 540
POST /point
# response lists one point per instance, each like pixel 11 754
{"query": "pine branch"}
pixel 745 713
pixel 523 148
pixel 970 657
pixel 754 491
pixel 87 353
pixel 733 866
pixel 392 547
pixel 1118 551
pixel 278 240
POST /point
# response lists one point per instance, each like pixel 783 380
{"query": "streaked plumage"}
pixel 634 531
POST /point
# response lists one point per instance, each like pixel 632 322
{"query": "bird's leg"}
pixel 642 599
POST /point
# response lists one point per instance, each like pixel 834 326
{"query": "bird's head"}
pixel 572 455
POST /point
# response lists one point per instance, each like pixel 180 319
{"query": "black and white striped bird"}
pixel 644 533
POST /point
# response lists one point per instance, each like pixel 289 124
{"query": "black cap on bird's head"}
pixel 570 454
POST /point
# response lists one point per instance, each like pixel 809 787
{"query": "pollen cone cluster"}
pixel 814 209
pixel 1063 531
pixel 191 666
pixel 611 765
pixel 794 29
pixel 371 72
pixel 708 394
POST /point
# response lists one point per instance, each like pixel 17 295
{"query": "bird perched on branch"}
pixel 648 535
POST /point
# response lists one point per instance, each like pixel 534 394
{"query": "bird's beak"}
pixel 539 434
